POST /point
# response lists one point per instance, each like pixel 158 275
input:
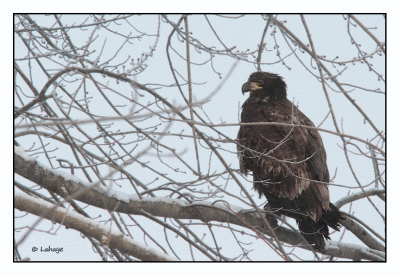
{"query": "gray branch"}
pixel 113 200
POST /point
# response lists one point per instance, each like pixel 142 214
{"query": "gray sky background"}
pixel 331 39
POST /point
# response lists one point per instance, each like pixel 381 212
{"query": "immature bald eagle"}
pixel 286 160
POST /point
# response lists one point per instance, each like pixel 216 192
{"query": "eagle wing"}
pixel 288 159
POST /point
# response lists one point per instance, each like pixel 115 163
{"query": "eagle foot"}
pixel 273 222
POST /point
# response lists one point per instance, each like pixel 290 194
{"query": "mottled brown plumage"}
pixel 285 160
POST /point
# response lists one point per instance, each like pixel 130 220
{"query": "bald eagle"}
pixel 288 163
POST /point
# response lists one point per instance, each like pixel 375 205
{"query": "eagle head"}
pixel 262 84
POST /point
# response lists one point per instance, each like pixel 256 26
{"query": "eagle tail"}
pixel 315 231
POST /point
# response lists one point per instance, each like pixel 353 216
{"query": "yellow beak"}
pixel 254 86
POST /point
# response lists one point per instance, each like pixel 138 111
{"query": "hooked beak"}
pixel 250 86
pixel 246 87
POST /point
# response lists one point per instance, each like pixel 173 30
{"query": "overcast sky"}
pixel 331 38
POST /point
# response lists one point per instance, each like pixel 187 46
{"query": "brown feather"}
pixel 285 161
